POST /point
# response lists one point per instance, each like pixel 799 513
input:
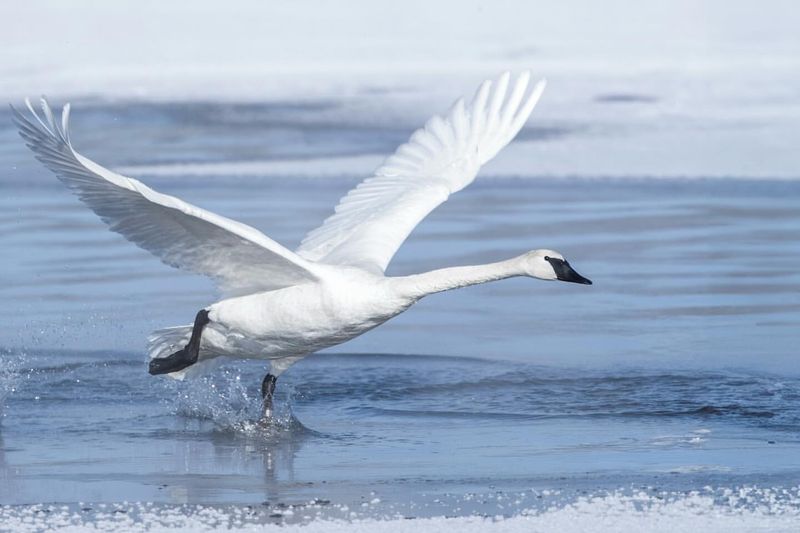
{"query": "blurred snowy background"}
pixel 680 88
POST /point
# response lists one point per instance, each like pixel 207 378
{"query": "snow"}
pixel 187 49
pixel 747 509
pixel 682 88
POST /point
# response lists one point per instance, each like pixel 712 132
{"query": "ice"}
pixel 636 89
pixel 746 509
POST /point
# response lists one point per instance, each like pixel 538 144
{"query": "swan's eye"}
pixel 547 258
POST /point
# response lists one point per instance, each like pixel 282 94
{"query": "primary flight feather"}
pixel 373 220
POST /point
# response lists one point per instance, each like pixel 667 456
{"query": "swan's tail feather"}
pixel 164 342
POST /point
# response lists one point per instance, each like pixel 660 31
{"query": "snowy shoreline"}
pixel 636 89
pixel 725 511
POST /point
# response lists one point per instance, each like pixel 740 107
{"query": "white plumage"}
pixel 373 220
pixel 240 258
pixel 282 305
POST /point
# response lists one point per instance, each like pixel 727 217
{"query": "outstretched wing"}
pixel 238 257
pixel 372 220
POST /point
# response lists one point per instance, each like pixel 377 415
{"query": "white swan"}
pixel 282 305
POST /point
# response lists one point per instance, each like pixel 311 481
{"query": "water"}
pixel 677 371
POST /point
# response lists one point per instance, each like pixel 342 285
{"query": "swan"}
pixel 281 305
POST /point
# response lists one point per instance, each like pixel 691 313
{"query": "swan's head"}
pixel 551 265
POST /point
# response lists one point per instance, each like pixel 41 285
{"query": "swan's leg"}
pixel 267 390
pixel 188 355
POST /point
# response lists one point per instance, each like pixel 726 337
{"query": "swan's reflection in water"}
pixel 240 461
pixel 8 478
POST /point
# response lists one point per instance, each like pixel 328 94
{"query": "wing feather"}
pixel 371 221
pixel 238 257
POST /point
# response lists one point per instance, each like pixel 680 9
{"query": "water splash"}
pixel 232 403
pixel 10 364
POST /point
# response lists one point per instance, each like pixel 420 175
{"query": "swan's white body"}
pixel 282 305
pixel 288 324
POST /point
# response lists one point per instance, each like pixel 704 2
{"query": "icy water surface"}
pixel 678 370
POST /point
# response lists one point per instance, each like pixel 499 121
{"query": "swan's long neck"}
pixel 445 279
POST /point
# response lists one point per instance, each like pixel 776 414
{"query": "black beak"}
pixel 564 272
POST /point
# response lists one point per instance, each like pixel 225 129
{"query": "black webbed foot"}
pixel 185 357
